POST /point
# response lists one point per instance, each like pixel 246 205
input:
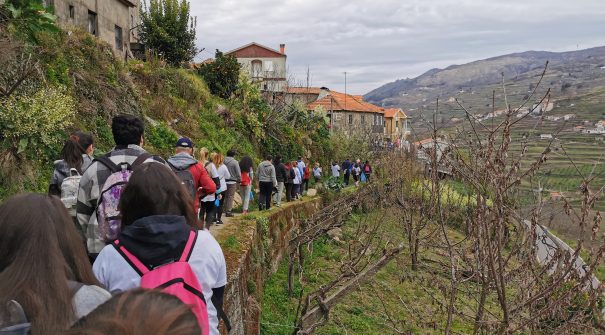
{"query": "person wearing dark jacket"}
pixel 183 159
pixel 281 176
pixel 233 182
pixel 289 180
pixel 75 154
pixel 158 221
pixel 346 169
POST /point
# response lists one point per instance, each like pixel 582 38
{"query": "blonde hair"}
pixel 203 154
pixel 217 158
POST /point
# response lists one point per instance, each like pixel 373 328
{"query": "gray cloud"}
pixel 379 41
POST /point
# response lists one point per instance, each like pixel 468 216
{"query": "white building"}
pixel 265 66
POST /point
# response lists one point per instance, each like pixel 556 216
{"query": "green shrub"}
pixel 36 121
pixel 221 75
pixel 161 137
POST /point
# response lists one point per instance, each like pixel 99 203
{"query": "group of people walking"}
pixel 82 259
pixel 360 172
pixel 114 226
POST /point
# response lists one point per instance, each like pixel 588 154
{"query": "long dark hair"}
pixel 33 268
pixel 139 312
pixel 153 189
pixel 245 164
pixel 74 148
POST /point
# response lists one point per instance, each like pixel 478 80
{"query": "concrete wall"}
pixel 110 13
pixel 260 250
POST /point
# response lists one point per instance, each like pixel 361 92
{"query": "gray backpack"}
pixel 69 191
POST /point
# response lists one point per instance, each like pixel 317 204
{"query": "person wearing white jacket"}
pixel 297 183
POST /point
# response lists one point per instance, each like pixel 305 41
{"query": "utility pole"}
pixel 345 90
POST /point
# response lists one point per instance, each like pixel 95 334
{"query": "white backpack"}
pixel 69 191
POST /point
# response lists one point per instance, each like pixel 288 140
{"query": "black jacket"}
pixel 281 173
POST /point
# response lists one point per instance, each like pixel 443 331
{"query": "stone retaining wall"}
pixel 254 246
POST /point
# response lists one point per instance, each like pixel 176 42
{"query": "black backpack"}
pixel 186 178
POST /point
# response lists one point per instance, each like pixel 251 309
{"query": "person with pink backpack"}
pixel 163 246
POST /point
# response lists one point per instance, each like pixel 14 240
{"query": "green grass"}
pixel 407 295
pixel 231 243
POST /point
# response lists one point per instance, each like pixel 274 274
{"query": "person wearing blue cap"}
pixel 193 175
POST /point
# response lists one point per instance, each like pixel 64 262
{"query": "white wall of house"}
pixel 269 72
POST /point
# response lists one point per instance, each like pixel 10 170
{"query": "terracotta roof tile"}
pixel 390 112
pixel 344 102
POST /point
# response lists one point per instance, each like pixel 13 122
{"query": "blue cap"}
pixel 184 142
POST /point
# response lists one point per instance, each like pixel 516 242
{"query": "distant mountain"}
pixel 569 74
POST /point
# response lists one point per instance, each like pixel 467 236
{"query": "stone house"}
pixel 113 21
pixel 264 65
pixel 304 95
pixel 396 123
pixel 349 114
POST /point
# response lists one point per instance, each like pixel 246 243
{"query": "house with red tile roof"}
pixel 349 114
pixel 304 95
pixel 264 65
pixel 396 123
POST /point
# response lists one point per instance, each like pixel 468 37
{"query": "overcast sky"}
pixel 378 41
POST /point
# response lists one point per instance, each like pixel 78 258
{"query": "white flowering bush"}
pixel 36 120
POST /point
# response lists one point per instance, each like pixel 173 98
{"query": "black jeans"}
pixel 288 192
pixel 207 213
pixel 304 186
pixel 264 198
pixel 347 176
pixel 219 210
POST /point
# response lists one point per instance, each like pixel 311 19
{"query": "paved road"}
pixel 547 244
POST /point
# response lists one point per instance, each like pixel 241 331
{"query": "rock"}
pixel 335 234
pixel 237 199
pixel 312 192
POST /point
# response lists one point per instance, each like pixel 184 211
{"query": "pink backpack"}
pixel 108 214
pixel 176 278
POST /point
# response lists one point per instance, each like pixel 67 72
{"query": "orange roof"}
pixel 427 140
pixel 304 90
pixel 390 112
pixel 344 102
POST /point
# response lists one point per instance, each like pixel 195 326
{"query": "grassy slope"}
pixel 396 289
pixel 174 102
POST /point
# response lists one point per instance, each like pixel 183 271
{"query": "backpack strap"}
pixel 141 159
pixel 189 247
pixel 134 262
pixel 113 167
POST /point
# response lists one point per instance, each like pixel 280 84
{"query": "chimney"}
pixel 282 49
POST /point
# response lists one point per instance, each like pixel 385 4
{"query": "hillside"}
pixel 71 81
pixel 569 74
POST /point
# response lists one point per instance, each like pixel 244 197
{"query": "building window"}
pixel 363 119
pixel 350 119
pixel 92 22
pixel 72 12
pixel 257 68
pixel 268 66
pixel 119 40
